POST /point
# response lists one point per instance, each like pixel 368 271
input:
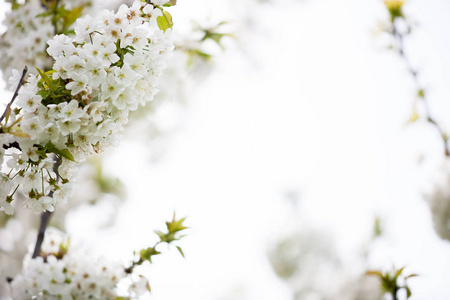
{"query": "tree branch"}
pixel 45 218
pixel 16 93
pixel 420 91
pixel 12 145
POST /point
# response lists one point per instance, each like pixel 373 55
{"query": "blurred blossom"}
pixel 10 234
pixel 439 202
pixel 309 263
pixel 363 288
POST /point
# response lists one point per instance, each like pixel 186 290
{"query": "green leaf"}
pixel 146 254
pixel 170 3
pixel 180 250
pixel 160 234
pixel 66 154
pixel 164 21
pixel 19 134
pixel 72 16
pixel 44 14
pixel 43 93
pixel 201 54
pixel 395 8
pixel 175 225
pixel 374 273
pixel 216 37
pixel 15 5
pixel 412 275
pixel 63 153
pixel 421 93
pixel 408 292
pixel 46 78
pixel 7 113
pixel 414 117
pixel 399 272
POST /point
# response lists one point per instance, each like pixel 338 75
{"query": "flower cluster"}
pixel 29 27
pixel 69 272
pixel 108 69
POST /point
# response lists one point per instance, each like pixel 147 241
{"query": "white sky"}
pixel 314 104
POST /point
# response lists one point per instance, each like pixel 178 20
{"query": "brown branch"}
pixel 16 93
pixel 45 218
pixel 150 2
pixel 12 145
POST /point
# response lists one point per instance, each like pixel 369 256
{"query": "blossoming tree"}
pixel 91 72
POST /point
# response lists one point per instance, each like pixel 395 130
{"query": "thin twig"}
pixel 149 2
pixel 16 93
pixel 430 119
pixel 394 294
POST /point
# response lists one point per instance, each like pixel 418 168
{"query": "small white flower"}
pixel 75 66
pixel 28 100
pixel 107 53
pixel 84 27
pixel 14 80
pixel 68 125
pixel 78 85
pixel 139 287
pixel 60 45
pixel 32 126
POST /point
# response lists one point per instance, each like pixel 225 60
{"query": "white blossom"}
pixel 67 272
pixel 105 78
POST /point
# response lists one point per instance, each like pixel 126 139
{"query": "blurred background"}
pixel 295 153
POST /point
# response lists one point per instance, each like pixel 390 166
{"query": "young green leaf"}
pixel 164 21
pixel 19 134
pixel 399 272
pixel 180 250
pixel 146 254
pixel 48 81
pixel 374 273
pixel 72 16
pixel 408 292
pixel 170 3
pixel 49 147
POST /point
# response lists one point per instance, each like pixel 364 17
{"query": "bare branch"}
pixel 430 119
pixel 45 218
pixel 16 93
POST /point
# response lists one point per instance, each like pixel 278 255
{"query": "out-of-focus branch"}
pixel 395 10
pixel 420 91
